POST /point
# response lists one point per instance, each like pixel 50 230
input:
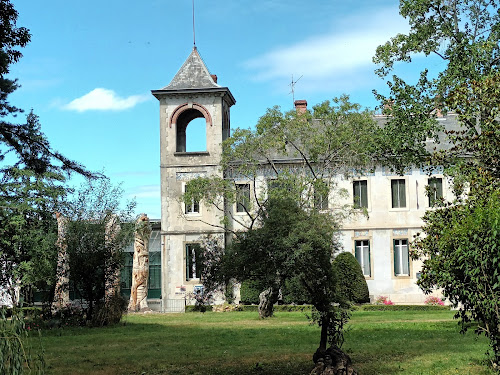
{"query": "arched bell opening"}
pixel 191 128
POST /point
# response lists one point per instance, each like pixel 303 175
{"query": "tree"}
pixel 288 243
pixel 466 36
pixel 300 155
pixel 32 177
pixel 93 254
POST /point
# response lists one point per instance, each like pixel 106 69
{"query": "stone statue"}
pixel 61 293
pixel 112 277
pixel 140 269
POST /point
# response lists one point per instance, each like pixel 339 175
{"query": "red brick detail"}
pixel 300 106
pixel 183 107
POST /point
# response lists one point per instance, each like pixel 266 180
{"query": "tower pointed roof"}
pixel 193 74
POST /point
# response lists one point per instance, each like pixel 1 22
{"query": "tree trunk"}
pixel 332 361
pixel 112 276
pixel 140 269
pixel 267 299
pixel 61 293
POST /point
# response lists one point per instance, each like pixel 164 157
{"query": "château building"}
pixel 394 203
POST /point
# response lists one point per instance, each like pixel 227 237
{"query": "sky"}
pixel 90 67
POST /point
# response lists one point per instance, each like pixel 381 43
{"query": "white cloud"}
pixel 144 191
pixel 336 57
pixel 104 100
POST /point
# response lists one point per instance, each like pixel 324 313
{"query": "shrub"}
pixel 383 300
pixel 294 292
pixel 402 308
pixel 431 300
pixel 110 312
pixel 249 292
pixel 350 282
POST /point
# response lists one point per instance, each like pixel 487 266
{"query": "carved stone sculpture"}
pixel 112 277
pixel 61 293
pixel 140 268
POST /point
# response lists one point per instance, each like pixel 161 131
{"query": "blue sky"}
pixel 90 66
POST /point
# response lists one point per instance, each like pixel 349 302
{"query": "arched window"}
pixel 191 126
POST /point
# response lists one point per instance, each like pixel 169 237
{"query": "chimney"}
pixel 300 106
pixel 214 77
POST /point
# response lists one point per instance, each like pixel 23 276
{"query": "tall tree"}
pixel 299 153
pixel 287 243
pixel 32 175
pixel 461 242
pixel 93 254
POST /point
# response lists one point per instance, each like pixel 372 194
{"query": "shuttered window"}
pixel 193 261
pixel 362 254
pixel 242 197
pixel 435 190
pixel 360 194
pixel 401 258
pixel 398 193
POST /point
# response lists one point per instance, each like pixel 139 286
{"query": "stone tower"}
pixel 193 93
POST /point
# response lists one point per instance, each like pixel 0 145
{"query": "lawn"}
pixel 386 342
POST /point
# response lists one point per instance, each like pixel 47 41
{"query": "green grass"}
pixel 386 342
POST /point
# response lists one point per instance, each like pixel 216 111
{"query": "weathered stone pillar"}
pixel 140 269
pixel 61 293
pixel 112 277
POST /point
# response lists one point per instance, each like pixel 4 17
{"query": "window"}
pixel 242 197
pixel 193 262
pixel 435 190
pixel 126 272
pixel 401 258
pixel 321 195
pixel 362 254
pixel 398 193
pixel 193 207
pixel 154 282
pixel 360 194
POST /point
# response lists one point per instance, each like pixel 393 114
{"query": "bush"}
pixel 383 300
pixel 350 282
pixel 249 292
pixel 110 312
pixel 431 300
pixel 294 292
pixel 402 308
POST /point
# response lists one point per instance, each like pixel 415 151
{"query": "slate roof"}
pixel 193 74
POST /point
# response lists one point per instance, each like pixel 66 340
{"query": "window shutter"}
pixel 197 261
pixel 394 193
pixel 396 258
pixel 356 193
pixel 366 257
pixel 402 193
pixel 188 261
pixel 406 258
pixel 364 194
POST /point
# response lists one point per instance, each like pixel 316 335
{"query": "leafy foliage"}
pixel 290 243
pixel 15 356
pixel 350 282
pixel 93 253
pixel 299 154
pixel 249 291
pixel 32 175
pixel 460 244
pixel 462 258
